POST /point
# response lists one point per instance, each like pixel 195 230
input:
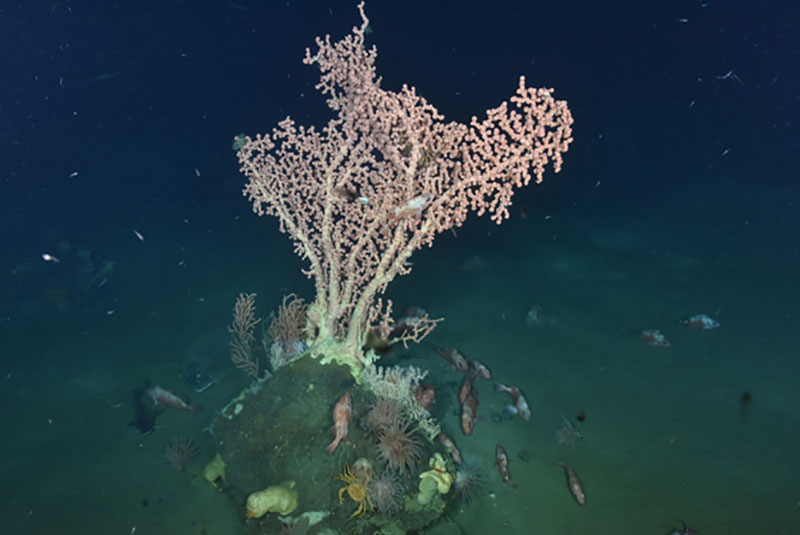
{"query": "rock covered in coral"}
pixel 281 435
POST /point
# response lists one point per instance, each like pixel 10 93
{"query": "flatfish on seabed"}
pixel 574 484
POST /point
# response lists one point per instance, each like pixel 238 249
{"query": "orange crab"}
pixel 356 490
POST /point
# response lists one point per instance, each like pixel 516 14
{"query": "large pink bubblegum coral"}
pixel 383 178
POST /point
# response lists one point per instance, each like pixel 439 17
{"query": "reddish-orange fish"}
pixel 469 408
pixel 520 405
pixel 454 357
pixel 424 395
pixel 450 446
pixel 341 420
pixel 479 369
pixel 162 396
pixel 574 484
pixel 466 387
pixel 502 465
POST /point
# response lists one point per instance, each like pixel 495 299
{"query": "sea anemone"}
pixel 386 493
pixel 399 446
pixel 468 482
pixel 382 413
pixel 568 434
pixel 180 452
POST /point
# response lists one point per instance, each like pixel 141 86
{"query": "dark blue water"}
pixel 678 196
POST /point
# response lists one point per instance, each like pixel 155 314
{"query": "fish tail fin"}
pixel 332 446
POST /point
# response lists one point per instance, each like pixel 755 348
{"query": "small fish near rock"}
pixel 454 357
pixel 502 466
pixel 520 405
pixel 341 420
pixel 450 446
pixel 161 397
pixel 469 409
pixel 654 338
pixel 704 322
pixel 479 369
pixel 466 387
pixel 424 395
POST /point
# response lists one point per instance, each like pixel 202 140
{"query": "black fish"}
pixel 144 412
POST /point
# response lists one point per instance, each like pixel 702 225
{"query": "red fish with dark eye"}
pixel 478 368
pixel 424 395
pixel 341 420
pixel 520 403
pixel 450 446
pixel 502 465
pixel 454 357
pixel 469 408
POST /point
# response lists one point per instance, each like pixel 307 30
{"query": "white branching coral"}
pixel 400 384
pixel 396 383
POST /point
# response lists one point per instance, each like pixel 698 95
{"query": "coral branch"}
pixel 383 178
pixel 242 332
